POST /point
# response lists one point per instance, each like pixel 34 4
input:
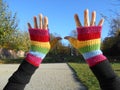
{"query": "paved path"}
pixel 47 77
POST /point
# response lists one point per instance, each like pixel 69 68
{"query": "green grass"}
pixel 86 76
pixel 116 67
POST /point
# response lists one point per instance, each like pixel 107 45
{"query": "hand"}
pixel 40 41
pixel 86 20
pixel 43 25
pixel 88 38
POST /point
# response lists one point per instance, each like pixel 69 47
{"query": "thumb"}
pixel 54 42
pixel 74 42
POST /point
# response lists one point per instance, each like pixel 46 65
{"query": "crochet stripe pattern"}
pixel 89 44
pixel 40 46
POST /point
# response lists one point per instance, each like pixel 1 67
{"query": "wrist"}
pixel 91 54
pixel 94 57
pixel 33 60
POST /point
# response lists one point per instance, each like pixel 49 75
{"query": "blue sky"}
pixel 60 13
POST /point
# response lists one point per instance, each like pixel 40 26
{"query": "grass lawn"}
pixel 86 76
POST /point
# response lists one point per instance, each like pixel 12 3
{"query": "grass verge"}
pixel 86 76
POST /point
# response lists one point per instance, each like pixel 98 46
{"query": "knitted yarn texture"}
pixel 40 46
pixel 88 44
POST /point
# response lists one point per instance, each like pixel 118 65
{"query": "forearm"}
pixel 20 77
pixel 100 66
pixel 108 80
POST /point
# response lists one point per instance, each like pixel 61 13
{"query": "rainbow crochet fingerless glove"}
pixel 88 44
pixel 40 46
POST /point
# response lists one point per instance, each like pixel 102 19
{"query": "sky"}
pixel 61 13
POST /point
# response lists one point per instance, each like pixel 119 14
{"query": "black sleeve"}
pixel 20 77
pixel 108 80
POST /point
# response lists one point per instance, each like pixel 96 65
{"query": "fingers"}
pixel 35 22
pixel 29 26
pixel 101 22
pixel 92 23
pixel 41 21
pixel 78 24
pixel 45 26
pixel 86 17
pixel 54 42
pixel 74 42
pixel 67 37
pixel 93 19
pixel 58 38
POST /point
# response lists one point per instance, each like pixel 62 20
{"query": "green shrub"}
pixel 12 61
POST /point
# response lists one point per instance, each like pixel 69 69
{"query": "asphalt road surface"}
pixel 56 76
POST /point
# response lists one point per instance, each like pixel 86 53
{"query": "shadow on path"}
pixel 83 87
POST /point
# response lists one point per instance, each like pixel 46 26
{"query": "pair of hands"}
pixel 43 23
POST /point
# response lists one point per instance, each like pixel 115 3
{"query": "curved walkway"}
pixel 56 76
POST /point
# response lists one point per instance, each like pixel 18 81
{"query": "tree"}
pixel 19 41
pixel 115 26
pixel 8 24
pixel 111 43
